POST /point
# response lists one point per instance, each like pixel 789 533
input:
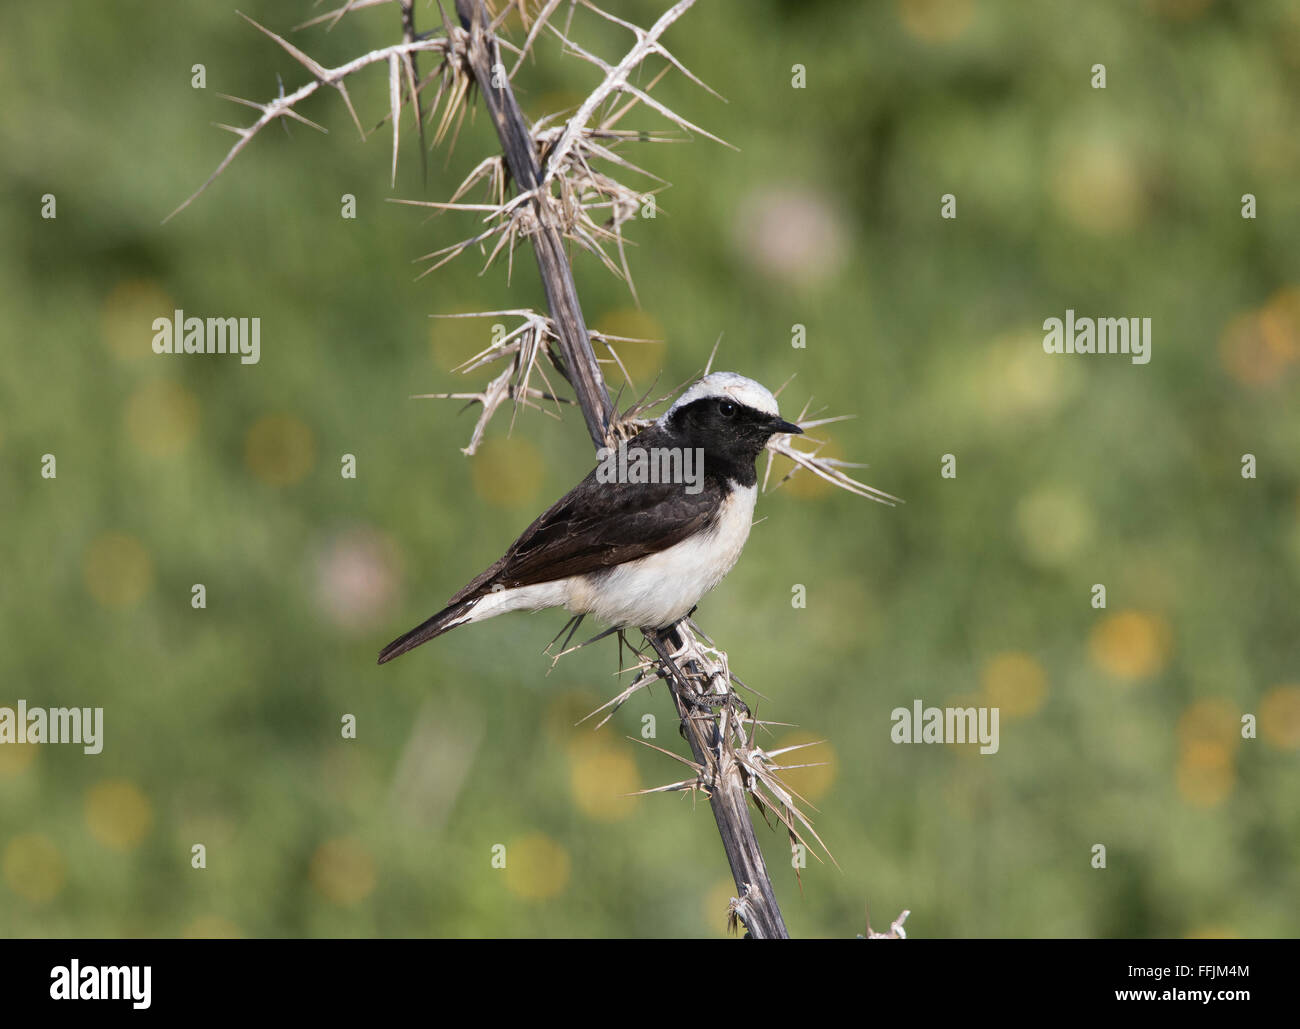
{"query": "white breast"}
pixel 657 590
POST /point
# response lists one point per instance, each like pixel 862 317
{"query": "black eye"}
pixel 727 409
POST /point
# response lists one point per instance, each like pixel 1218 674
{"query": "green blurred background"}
pixel 222 726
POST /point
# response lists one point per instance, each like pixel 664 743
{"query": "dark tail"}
pixel 443 621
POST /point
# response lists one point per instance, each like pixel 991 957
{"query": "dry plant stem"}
pixel 757 906
pixel 580 366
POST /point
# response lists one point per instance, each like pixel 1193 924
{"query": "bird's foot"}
pixel 712 702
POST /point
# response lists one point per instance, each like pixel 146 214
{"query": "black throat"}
pixel 730 445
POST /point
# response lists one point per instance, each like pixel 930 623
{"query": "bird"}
pixel 636 553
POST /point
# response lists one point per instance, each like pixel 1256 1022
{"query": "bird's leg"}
pixel 575 621
pixel 572 625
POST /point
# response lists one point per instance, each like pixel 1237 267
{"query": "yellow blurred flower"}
pixel 118 814
pixel 33 867
pixel 1254 347
pixel 536 867
pixel 280 449
pixel 1280 323
pixel 211 927
pixel 1131 645
pixel 126 318
pixel 935 21
pixel 566 715
pixel 1279 717
pixel 1014 683
pixel 601 775
pixel 1205 773
pixel 342 871
pixel 1214 932
pixel 162 418
pixel 1097 186
pixel 507 472
pixel 1210 720
pixel 1208 733
pixel 117 570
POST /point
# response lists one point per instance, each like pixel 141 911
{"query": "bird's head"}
pixel 727 415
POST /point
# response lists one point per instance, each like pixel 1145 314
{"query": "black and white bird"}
pixel 636 554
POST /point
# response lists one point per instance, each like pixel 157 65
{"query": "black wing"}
pixel 598 525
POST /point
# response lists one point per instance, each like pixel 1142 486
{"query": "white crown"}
pixel 728 384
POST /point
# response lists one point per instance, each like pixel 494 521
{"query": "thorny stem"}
pixel 757 906
pixel 727 797
pixel 580 366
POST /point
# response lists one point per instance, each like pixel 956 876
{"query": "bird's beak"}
pixel 780 426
